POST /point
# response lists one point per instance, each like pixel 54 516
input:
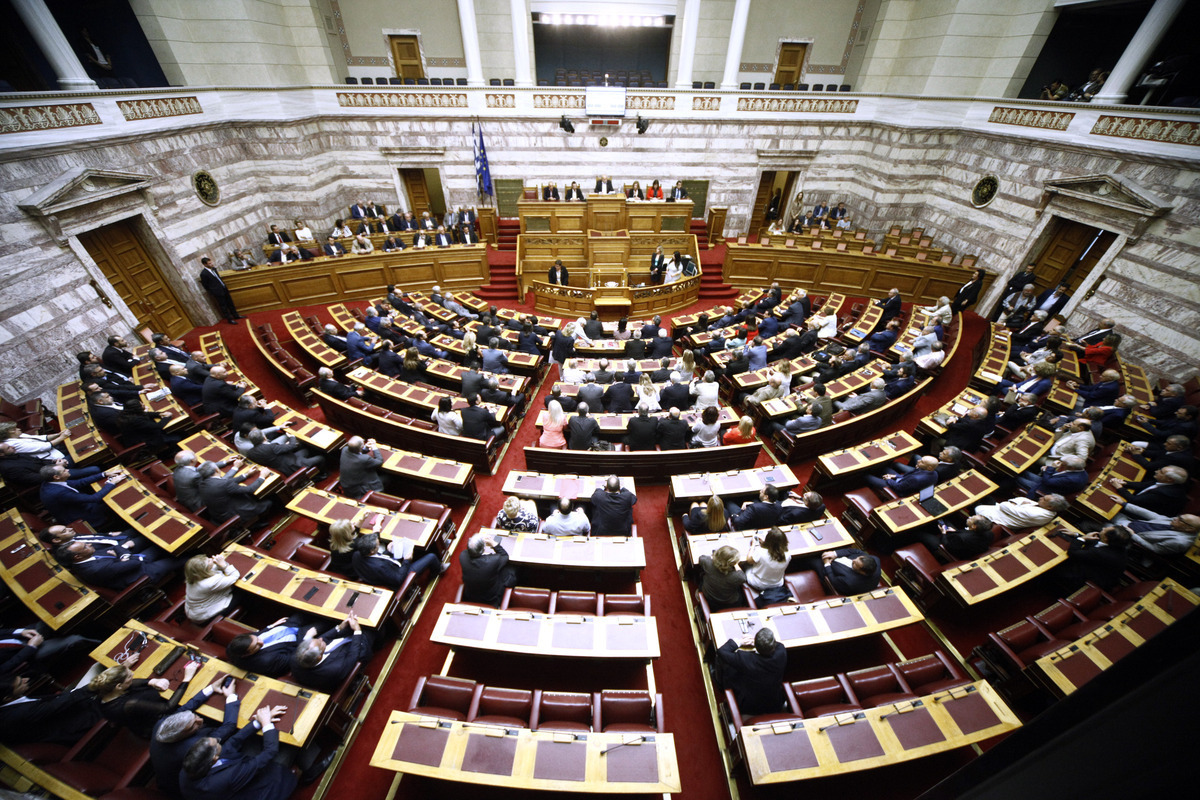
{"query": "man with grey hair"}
pixel 284 454
pixel 334 339
pixel 1160 534
pixel 231 496
pixel 754 676
pixel 924 343
pixel 324 661
pixel 330 386
pixel 458 308
pixel 603 375
pixel 641 433
pixel 1021 512
pixel 906 483
pixel 360 463
pixel 773 389
pixel 1066 476
pixel 969 541
pixel 187 478
pixel 590 392
pixel 567 520
pixel 867 401
pixel 582 430
pixel 174 734
pixel 360 346
pixel 675 394
pixel 219 394
pixel 932 359
pixel 1165 492
pixel 486 571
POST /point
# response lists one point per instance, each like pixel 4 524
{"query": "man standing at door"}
pixel 217 289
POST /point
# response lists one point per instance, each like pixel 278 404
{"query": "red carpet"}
pixel 677 674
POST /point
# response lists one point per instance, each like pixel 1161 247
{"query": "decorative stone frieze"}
pixel 1172 131
pixel 650 102
pixel 819 105
pixel 402 100
pixel 558 101
pixel 159 107
pixel 1032 118
pixel 501 101
pixel 19 119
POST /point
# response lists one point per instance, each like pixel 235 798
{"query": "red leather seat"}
pixel 498 706
pixel 524 598
pixel 1063 621
pixel 434 511
pixel 879 686
pixel 739 721
pixel 308 555
pixel 637 605
pixel 114 766
pixel 821 697
pixel 1095 603
pixel 630 711
pixel 860 503
pixel 1021 644
pixel 805 586
pixel 448 698
pixel 573 602
pixel 932 673
pixel 563 711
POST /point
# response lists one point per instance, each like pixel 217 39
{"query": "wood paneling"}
pixel 791 62
pixel 406 55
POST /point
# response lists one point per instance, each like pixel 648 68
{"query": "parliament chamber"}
pixel 805 406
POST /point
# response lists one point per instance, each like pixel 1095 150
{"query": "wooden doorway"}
pixel 406 55
pixel 771 180
pixel 423 189
pixel 1070 254
pixel 791 62
pixel 120 255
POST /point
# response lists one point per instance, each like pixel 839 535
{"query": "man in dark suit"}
pixel 796 510
pixel 324 661
pixel 479 422
pixel 441 238
pixel 558 274
pixel 1023 411
pixel 333 248
pixel 1165 493
pixel 1014 286
pixel 820 211
pixel 1052 300
pixel 63 498
pixel 277 237
pixel 968 293
pixel 1066 476
pixel 550 192
pixel 850 571
pixel 635 346
pixel 118 358
pixel 590 393
pixel 219 394
pixel 618 398
pixel 360 463
pixel 757 514
pixel 673 432
pixel 283 454
pixel 466 234
pixel 582 430
pixel 358 210
pixel 604 185
pixel 678 192
pixel 642 431
pixel 485 570
pixel 216 771
pixel 962 543
pixel 890 305
pixel 967 432
pixel 1096 335
pixel 566 401
pixel 661 345
pixel 612 509
pixel 421 239
pixel 389 568
pixel 574 192
pixel 226 497
pixel 218 291
pixel 268 651
pixel 60 719
pixel 906 484
pixel 650 329
pixel 1098 558
pixel 175 734
pixel 333 388
pixel 755 677
pixel 113 567
pixel 492 393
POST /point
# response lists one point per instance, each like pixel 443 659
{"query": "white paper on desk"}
pixel 156 395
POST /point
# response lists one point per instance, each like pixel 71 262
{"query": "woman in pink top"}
pixel 552 430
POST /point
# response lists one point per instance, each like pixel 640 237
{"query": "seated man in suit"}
pixel 642 430
pixel 479 422
pixel 758 514
pixel 221 771
pixel 678 192
pixel 175 734
pixel 466 234
pixel 113 567
pixel 61 719
pixel 333 388
pixel 485 569
pixel 574 192
pixel 755 677
pixel 333 248
pixel 226 497
pixel 441 238
pixel 874 398
pixel 389 568
pixel 604 184
pixel 550 192
pixel 324 661
pixel 491 392
pixel 797 509
pixel 268 651
pixel 66 503
pixel 1165 492
pixel 285 455
pixel 905 484
pixel 891 307
pixel 219 395
pixel 358 345
pixel 1098 557
pixel 850 571
pixel 289 253
pixel 1066 476
pixel 970 541
pixel 612 509
pixel 582 430
pixel 673 431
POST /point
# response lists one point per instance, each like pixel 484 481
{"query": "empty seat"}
pixel 500 706
pixel 697 85
pixel 461 81
pixel 932 673
pixel 707 84
pixel 879 686
pixel 449 698
pixel 574 602
pixel 396 81
pixel 435 81
pixel 818 87
pixel 509 82
pixel 1095 603
pixel 774 87
pixel 845 87
pixel 805 586
pixel 758 87
pixel 629 711
pixel 745 87
pixel 626 604
pixel 410 81
pixel 1064 621
pixel 821 697
pixel 350 79
pixel 1018 646
pixel 524 598
pixel 493 81
pixel 422 81
pixel 801 87
pixel 789 87
pixel 563 711
pixel 368 81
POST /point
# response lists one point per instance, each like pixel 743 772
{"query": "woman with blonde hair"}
pixel 706 517
pixel 722 579
pixel 518 516
pixel 552 428
pixel 209 589
pixel 134 704
pixel 647 393
pixel 743 433
pixel 765 566
pixel 342 534
pixel 687 365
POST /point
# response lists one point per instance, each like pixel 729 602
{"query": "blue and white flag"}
pixel 483 175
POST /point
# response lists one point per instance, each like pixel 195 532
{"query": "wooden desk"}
pixel 312 433
pixel 866 322
pixel 538 486
pixel 209 448
pixel 308 590
pixel 593 553
pixel 906 513
pixel 440 473
pixel 83 444
pixel 160 520
pixel 807 539
pixel 215 352
pixel 749 381
pixel 1005 568
pixel 466 752
pixel 1097 499
pixel 522 363
pixel 1061 398
pixel 311 343
pixel 875 737
pixel 994 365
pixel 423 401
pixel 966 400
pixel 1024 451
pixel 572 301
pixel 878 452
pixel 917 320
pixel 555 635
pixel 356 277
pixel 1135 381
pixel 305 707
pixel 737 483
pixel 1071 666
pixel 835 390
pixel 144 374
pixel 831 620
pixel 603 212
pixel 618 424
pixel 34 577
pixel 327 508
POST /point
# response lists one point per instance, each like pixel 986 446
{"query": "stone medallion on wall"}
pixel 206 188
pixel 985 191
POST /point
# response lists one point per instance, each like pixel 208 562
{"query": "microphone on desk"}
pixel 635 740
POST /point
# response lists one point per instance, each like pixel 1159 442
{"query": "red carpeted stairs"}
pixel 502 265
pixel 507 231
pixel 713 287
pixel 699 229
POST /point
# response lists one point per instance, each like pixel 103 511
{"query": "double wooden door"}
pixel 120 255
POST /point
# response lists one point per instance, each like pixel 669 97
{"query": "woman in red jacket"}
pixel 654 192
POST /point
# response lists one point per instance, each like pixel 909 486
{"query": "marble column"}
pixel 521 55
pixel 737 38
pixel 470 40
pixel 55 47
pixel 1129 67
pixel 687 45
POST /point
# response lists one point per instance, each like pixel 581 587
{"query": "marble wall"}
pixel 312 167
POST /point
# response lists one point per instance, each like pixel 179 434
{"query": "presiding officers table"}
pixel 520 758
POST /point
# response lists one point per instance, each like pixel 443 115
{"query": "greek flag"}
pixel 483 176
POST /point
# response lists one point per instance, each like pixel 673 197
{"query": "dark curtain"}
pixel 600 49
